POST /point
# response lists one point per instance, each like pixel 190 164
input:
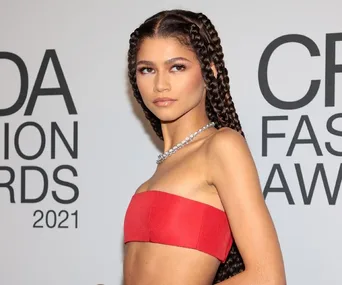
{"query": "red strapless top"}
pixel 166 218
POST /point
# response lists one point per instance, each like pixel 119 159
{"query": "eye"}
pixel 145 70
pixel 178 67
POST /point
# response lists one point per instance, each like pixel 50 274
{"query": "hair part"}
pixel 197 32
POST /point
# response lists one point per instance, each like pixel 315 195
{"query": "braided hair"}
pixel 196 31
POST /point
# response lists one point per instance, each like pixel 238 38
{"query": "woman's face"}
pixel 169 78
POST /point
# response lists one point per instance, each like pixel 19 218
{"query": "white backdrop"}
pixel 70 162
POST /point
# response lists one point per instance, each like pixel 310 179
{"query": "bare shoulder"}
pixel 226 137
pixel 227 147
pixel 142 187
pixel 230 164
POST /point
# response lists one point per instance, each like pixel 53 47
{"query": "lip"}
pixel 163 101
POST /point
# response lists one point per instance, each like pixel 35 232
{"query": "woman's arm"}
pixel 233 172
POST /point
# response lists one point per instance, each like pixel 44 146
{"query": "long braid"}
pixel 132 52
pixel 208 75
pixel 213 95
pixel 215 49
pixel 234 263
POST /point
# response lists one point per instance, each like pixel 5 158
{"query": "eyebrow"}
pixel 171 60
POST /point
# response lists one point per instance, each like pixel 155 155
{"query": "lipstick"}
pixel 163 101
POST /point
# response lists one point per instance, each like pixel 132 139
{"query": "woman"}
pixel 203 205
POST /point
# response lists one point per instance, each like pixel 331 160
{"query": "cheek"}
pixel 144 85
pixel 191 84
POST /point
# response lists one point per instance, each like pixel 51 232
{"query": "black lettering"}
pixel 65 183
pixel 284 189
pixel 23 83
pixel 9 182
pixel 23 184
pixel 42 144
pixel 319 170
pixel 266 135
pixel 333 131
pixel 331 68
pixel 263 69
pixel 6 141
pixel 55 128
pixel 62 90
pixel 312 140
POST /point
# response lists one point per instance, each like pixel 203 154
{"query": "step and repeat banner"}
pixel 74 144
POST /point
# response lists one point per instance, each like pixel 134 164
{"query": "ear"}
pixel 213 68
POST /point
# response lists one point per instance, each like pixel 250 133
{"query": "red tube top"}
pixel 161 217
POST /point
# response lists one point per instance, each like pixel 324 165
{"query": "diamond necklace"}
pixel 166 154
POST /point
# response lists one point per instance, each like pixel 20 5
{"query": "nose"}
pixel 161 82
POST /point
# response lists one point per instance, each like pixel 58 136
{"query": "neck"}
pixel 176 131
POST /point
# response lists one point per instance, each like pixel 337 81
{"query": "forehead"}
pixel 163 48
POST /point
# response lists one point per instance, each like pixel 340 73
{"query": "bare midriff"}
pixel 148 263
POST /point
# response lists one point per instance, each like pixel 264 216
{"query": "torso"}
pixel 185 174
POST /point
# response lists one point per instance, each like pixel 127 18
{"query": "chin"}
pixel 166 119
pixel 169 113
pixel 167 116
